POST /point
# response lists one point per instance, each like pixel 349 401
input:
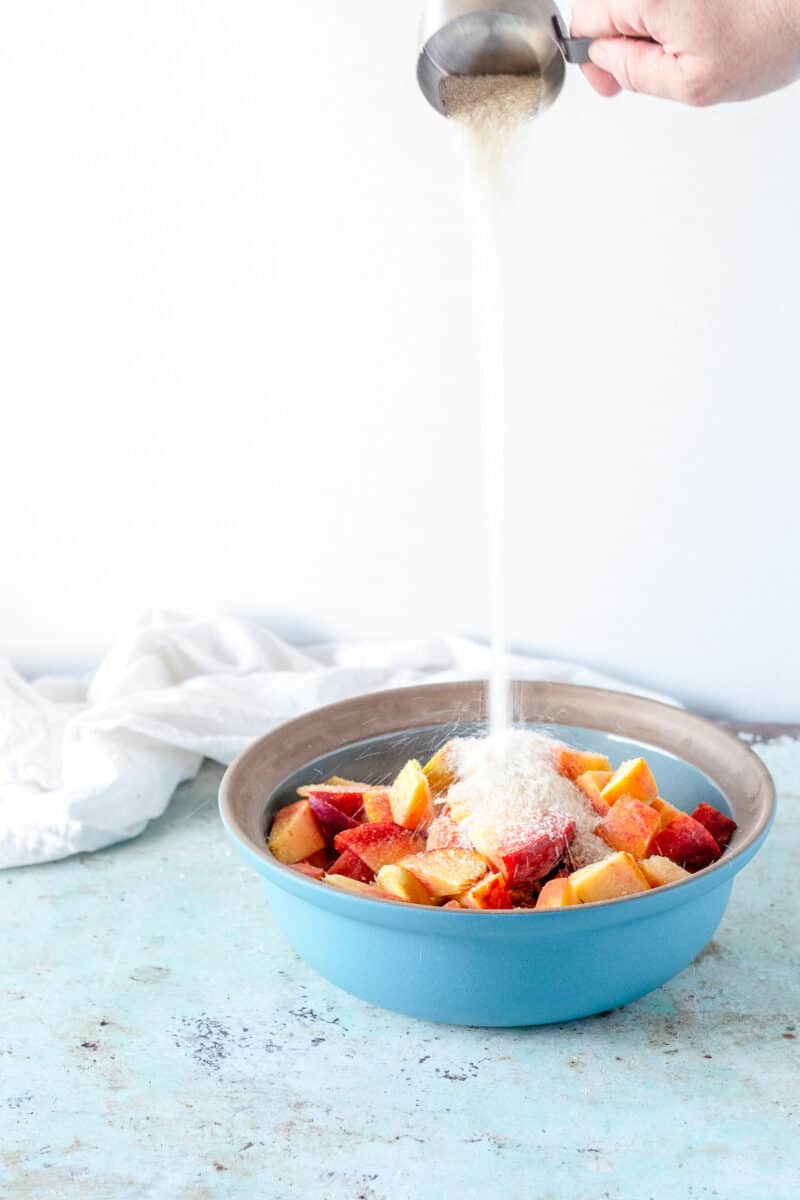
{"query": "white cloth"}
pixel 85 763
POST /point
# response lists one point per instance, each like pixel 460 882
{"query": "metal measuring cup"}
pixel 511 37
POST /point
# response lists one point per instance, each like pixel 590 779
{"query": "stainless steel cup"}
pixel 495 37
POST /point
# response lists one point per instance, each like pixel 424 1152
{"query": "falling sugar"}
pixel 491 112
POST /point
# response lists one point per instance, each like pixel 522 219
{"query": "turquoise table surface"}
pixel 159 1041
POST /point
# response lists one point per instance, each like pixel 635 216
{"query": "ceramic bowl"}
pixel 497 968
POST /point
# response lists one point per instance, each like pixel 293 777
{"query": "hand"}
pixel 698 51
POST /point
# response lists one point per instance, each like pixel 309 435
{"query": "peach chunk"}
pixel 457 810
pixel 378 843
pixel 525 854
pixel 616 876
pixel 451 904
pixel 666 812
pixel 377 806
pixel 591 784
pixel 660 870
pixel 356 888
pixel 572 763
pixel 350 864
pixel 632 778
pixel 348 799
pixel 331 818
pixel 401 884
pixel 630 825
pixel 720 827
pixel 686 842
pixel 557 893
pixel 440 770
pixel 488 893
pixel 410 797
pixel 446 872
pixel 307 868
pixel 445 833
pixel 295 833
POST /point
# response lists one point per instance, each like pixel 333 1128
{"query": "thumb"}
pixel 639 65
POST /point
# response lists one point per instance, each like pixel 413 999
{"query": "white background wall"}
pixel 237 357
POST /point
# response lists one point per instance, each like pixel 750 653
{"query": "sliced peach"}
pixel 457 810
pixel 630 825
pixel 522 855
pixel 572 763
pixel 401 884
pixel 591 784
pixel 446 872
pixel 666 812
pixel 632 778
pixel 490 892
pixel 720 827
pixel 378 843
pixel 660 870
pixel 445 833
pixel 306 868
pixel 295 833
pixel 410 797
pixel 557 893
pixel 346 884
pixel 349 799
pixel 377 806
pixel 687 843
pixel 440 770
pixel 451 904
pixel 331 817
pixel 616 876
pixel 354 867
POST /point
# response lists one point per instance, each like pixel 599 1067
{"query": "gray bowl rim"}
pixel 721 756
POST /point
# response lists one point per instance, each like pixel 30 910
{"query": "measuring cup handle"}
pixel 575 50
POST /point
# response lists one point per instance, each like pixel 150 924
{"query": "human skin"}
pixel 700 52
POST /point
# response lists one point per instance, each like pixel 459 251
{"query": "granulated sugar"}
pixel 491 101
pixel 507 782
pixel 492 111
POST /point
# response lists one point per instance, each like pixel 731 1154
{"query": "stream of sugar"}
pixel 491 113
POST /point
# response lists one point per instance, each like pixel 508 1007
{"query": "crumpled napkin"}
pixel 85 763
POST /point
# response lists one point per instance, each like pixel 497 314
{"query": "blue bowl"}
pixel 497 968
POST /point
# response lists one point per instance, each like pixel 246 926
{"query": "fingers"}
pixel 639 66
pixel 593 18
pixel 609 18
pixel 603 83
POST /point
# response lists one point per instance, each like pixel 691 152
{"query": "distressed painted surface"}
pixel 158 1041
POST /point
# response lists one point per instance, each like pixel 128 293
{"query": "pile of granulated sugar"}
pixel 507 782
pixel 491 100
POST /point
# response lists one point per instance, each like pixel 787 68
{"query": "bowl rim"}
pixel 730 764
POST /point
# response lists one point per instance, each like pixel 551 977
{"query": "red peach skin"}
pixel 378 843
pixel 351 865
pixel 687 843
pixel 526 855
pixel 331 818
pixel 720 827
pixel 346 800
